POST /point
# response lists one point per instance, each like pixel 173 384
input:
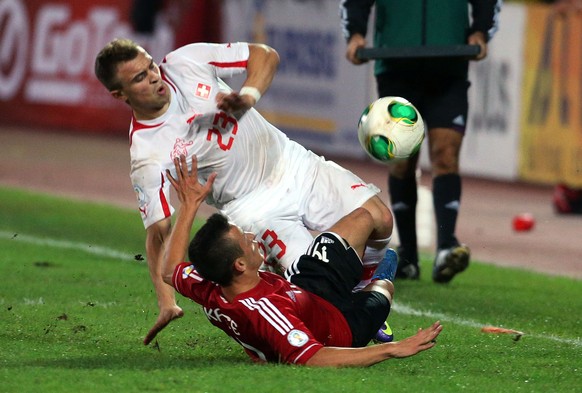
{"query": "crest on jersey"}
pixel 188 271
pixel 297 338
pixel 203 91
pixel 180 148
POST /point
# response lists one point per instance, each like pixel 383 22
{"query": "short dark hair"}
pixel 213 252
pixel 117 51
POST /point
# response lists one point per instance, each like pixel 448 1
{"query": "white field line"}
pixel 397 307
pixel 64 244
pixel 407 310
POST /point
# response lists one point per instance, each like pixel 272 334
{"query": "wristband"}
pixel 251 91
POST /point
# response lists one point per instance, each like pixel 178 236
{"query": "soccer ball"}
pixel 390 129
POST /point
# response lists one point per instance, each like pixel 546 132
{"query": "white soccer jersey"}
pixel 266 183
pixel 193 125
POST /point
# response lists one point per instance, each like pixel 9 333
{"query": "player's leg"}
pixel 355 228
pixel 402 183
pixel 445 145
pixel 367 313
pixel 330 268
pixel 335 192
pixel 448 115
pixel 377 244
pixel 403 188
pixel 338 192
pixel 382 282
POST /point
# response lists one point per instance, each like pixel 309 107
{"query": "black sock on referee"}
pixel 446 191
pixel 403 199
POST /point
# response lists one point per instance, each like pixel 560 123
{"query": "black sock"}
pixel 403 198
pixel 446 191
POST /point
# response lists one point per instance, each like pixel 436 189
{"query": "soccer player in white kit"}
pixel 265 183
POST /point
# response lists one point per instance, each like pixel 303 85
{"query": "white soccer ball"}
pixel 391 129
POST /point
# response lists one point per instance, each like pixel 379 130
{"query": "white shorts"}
pixel 311 194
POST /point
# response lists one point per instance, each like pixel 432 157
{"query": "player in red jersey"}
pixel 273 319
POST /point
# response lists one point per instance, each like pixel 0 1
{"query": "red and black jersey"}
pixel 274 322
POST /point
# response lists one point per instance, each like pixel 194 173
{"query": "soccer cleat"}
pixel 449 262
pixel 384 334
pixel 386 269
pixel 406 269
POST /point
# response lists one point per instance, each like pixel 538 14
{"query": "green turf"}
pixel 76 301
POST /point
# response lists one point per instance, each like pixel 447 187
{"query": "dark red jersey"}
pixel 274 322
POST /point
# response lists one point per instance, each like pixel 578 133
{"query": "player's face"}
pixel 249 245
pixel 142 87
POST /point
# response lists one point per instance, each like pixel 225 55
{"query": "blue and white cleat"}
pixel 386 269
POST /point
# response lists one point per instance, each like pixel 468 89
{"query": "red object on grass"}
pixel 523 222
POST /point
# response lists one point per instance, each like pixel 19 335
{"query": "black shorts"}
pixel 331 269
pixel 442 100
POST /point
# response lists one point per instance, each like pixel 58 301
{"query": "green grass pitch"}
pixel 76 301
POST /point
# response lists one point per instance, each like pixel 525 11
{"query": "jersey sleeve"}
pixel 354 17
pixel 486 16
pixel 227 60
pixel 189 283
pixel 152 191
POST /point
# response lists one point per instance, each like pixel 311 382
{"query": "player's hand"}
pixel 234 103
pixel 356 42
pixel 166 316
pixel 478 38
pixel 424 339
pixel 189 190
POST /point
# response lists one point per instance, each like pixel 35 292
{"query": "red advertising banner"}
pixel 47 53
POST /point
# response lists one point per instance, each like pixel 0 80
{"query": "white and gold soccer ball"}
pixel 391 129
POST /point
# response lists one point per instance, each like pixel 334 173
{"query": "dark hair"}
pixel 213 252
pixel 117 51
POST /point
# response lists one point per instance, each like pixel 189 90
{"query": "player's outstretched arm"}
pixel 191 195
pixel 344 357
pixel 168 309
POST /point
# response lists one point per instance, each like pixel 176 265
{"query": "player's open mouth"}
pixel 161 90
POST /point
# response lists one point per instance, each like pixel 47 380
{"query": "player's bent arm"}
pixel 361 357
pixel 261 67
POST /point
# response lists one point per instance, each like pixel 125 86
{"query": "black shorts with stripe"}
pixel 331 269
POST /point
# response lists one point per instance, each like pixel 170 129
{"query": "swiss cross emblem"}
pixel 203 91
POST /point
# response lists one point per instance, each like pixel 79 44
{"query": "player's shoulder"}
pixel 202 49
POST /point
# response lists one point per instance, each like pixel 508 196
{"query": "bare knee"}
pixel 404 169
pixel 445 146
pixel 382 216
